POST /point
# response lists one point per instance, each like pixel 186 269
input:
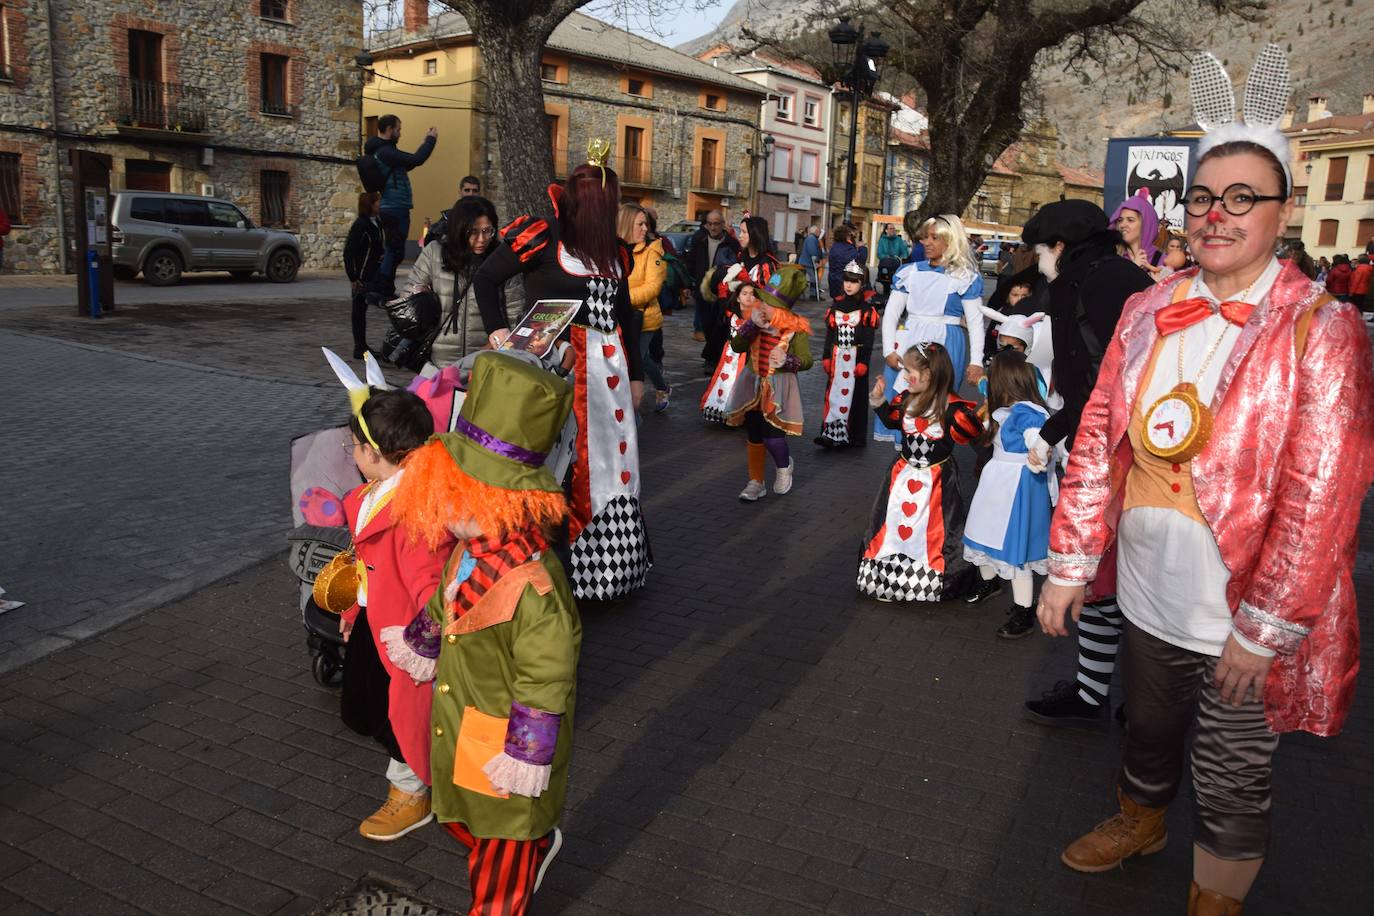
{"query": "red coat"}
pixel 1280 484
pixel 401 577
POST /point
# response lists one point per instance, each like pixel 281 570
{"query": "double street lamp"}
pixel 858 73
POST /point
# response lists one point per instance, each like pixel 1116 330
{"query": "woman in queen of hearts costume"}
pixel 913 550
pixel 849 331
pixel 937 300
pixel 1225 451
pixel 577 255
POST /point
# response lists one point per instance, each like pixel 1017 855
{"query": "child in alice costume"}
pixel 914 549
pixel 504 625
pixel 1007 535
pixel 767 401
pixel 849 331
pixel 395 578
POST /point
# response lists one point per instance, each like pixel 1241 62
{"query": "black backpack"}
pixel 371 173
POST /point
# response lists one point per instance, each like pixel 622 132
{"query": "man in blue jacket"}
pixel 396 197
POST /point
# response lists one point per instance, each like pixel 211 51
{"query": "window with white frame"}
pixel 810 167
pixel 782 163
pixel 785 101
pixel 811 112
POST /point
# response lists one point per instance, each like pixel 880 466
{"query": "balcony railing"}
pixel 711 178
pixel 279 109
pixel 639 172
pixel 160 106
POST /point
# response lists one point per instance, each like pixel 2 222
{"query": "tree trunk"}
pixel 510 40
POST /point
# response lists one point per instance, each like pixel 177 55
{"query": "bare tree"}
pixel 974 62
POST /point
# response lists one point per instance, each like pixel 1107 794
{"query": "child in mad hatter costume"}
pixel 850 325
pixel 396 576
pixel 767 401
pixel 506 625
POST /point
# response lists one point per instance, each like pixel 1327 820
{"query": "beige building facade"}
pixel 256 101
pixel 681 131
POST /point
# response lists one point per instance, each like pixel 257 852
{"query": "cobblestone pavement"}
pixel 751 736
pixel 59 291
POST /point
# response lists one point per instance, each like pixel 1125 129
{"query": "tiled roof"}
pixel 1083 178
pixel 1356 122
pixel 915 141
pixel 583 36
pixel 736 62
pixel 1364 136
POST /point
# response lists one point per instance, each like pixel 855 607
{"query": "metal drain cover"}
pixel 372 898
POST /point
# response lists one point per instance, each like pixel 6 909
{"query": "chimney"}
pixel 1287 120
pixel 417 15
pixel 1316 108
pixel 1368 103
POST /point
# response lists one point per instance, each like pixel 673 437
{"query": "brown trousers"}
pixel 1167 689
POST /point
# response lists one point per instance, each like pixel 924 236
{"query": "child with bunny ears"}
pixel 396 577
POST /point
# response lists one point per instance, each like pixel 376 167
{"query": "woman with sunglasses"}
pixel 1225 452
pixel 448 264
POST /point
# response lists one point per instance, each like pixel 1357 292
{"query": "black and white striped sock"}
pixel 1099 634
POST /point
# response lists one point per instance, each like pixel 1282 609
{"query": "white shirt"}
pixel 1185 605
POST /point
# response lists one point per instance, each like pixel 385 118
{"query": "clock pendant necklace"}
pixel 1178 425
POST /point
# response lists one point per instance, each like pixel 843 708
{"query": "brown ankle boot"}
pixel 1136 830
pixel 1210 903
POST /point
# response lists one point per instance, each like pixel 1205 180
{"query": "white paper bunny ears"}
pixel 1266 99
pixel 358 390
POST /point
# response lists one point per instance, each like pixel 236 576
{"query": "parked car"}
pixel 164 235
pixel 680 233
pixel 990 254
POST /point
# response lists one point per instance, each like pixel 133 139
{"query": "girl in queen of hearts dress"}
pixel 850 324
pixel 577 255
pixel 914 549
pixel 726 376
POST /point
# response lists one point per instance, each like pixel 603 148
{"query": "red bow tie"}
pixel 1188 312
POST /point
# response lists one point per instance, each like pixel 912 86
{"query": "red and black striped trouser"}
pixel 501 872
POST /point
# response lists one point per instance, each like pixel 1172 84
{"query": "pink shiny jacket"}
pixel 1280 484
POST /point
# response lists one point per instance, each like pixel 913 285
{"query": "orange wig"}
pixel 436 493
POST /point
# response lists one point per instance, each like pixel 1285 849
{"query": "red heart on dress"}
pixel 720 392
pixel 844 392
pixel 623 446
pixel 724 376
pixel 904 532
pixel 914 486
pixel 624 476
pixel 844 356
pixel 844 409
pixel 845 374
pixel 908 509
pixel 608 350
pixel 613 381
pixel 619 415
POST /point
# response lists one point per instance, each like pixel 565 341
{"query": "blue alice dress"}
pixel 929 305
pixel 1008 526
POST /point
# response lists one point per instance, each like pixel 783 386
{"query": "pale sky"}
pixel 681 20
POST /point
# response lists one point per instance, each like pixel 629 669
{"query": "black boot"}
pixel 983 590
pixel 1020 622
pixel 1062 706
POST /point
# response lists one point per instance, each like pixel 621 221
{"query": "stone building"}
pixel 256 101
pixel 870 158
pixel 795 120
pixel 682 131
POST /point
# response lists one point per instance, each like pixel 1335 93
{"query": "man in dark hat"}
pixel 1089 283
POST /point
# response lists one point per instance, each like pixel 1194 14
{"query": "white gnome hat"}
pixel 1266 98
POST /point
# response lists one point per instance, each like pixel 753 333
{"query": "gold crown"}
pixel 598 150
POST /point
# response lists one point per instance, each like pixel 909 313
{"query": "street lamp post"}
pixel 860 77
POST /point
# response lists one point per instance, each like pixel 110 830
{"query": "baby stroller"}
pixel 887 269
pixel 321 471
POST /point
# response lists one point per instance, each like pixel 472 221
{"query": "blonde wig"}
pixel 959 259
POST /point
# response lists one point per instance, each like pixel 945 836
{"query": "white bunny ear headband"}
pixel 358 390
pixel 1266 99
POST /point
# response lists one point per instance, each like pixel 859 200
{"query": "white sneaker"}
pixel 753 492
pixel 783 481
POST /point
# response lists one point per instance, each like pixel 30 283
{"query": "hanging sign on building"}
pixel 1160 165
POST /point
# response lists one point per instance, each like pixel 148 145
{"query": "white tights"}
pixel 1022 585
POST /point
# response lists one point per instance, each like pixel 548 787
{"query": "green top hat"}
pixel 510 419
pixel 784 288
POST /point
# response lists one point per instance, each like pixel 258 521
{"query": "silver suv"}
pixel 163 235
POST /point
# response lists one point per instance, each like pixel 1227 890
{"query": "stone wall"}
pixel 213 49
pixel 597 106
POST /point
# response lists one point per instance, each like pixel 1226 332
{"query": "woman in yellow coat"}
pixel 646 282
